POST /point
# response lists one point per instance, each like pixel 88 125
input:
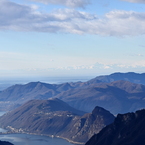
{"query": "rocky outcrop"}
pixel 89 124
pixel 127 129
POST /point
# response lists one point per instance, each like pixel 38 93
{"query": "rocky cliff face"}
pixel 54 117
pixel 127 129
pixel 90 124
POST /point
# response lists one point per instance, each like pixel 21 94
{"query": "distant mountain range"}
pixel 130 76
pixel 56 118
pixel 127 129
pixel 117 97
pixel 118 93
pixel 16 95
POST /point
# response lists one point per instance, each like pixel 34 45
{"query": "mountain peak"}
pixel 127 129
pixel 129 76
pixel 99 110
pixel 50 105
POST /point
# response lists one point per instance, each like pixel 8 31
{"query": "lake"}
pixel 28 139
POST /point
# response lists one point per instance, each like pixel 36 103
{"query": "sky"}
pixel 71 37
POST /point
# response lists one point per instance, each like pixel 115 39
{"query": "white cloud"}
pixel 27 64
pixel 135 1
pixel 69 3
pixel 138 55
pixel 104 66
pixel 27 18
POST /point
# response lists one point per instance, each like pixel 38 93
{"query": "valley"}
pixel 117 93
pixel 74 111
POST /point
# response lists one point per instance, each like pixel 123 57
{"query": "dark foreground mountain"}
pixel 54 117
pixel 127 129
pixel 5 143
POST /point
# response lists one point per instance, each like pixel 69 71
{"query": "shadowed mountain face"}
pixel 55 117
pixel 33 90
pixel 117 97
pixel 127 129
pixel 16 95
pixel 91 123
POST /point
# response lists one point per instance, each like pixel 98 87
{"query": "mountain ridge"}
pixel 81 95
pixel 127 129
pixel 129 76
pixel 47 117
pixel 117 97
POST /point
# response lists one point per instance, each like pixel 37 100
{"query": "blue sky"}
pixel 71 37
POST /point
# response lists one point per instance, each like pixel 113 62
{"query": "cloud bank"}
pixel 69 3
pixel 135 1
pixel 18 17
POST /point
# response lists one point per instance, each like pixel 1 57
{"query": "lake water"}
pixel 28 139
pixel 1 129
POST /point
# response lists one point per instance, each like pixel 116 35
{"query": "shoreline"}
pixel 12 130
